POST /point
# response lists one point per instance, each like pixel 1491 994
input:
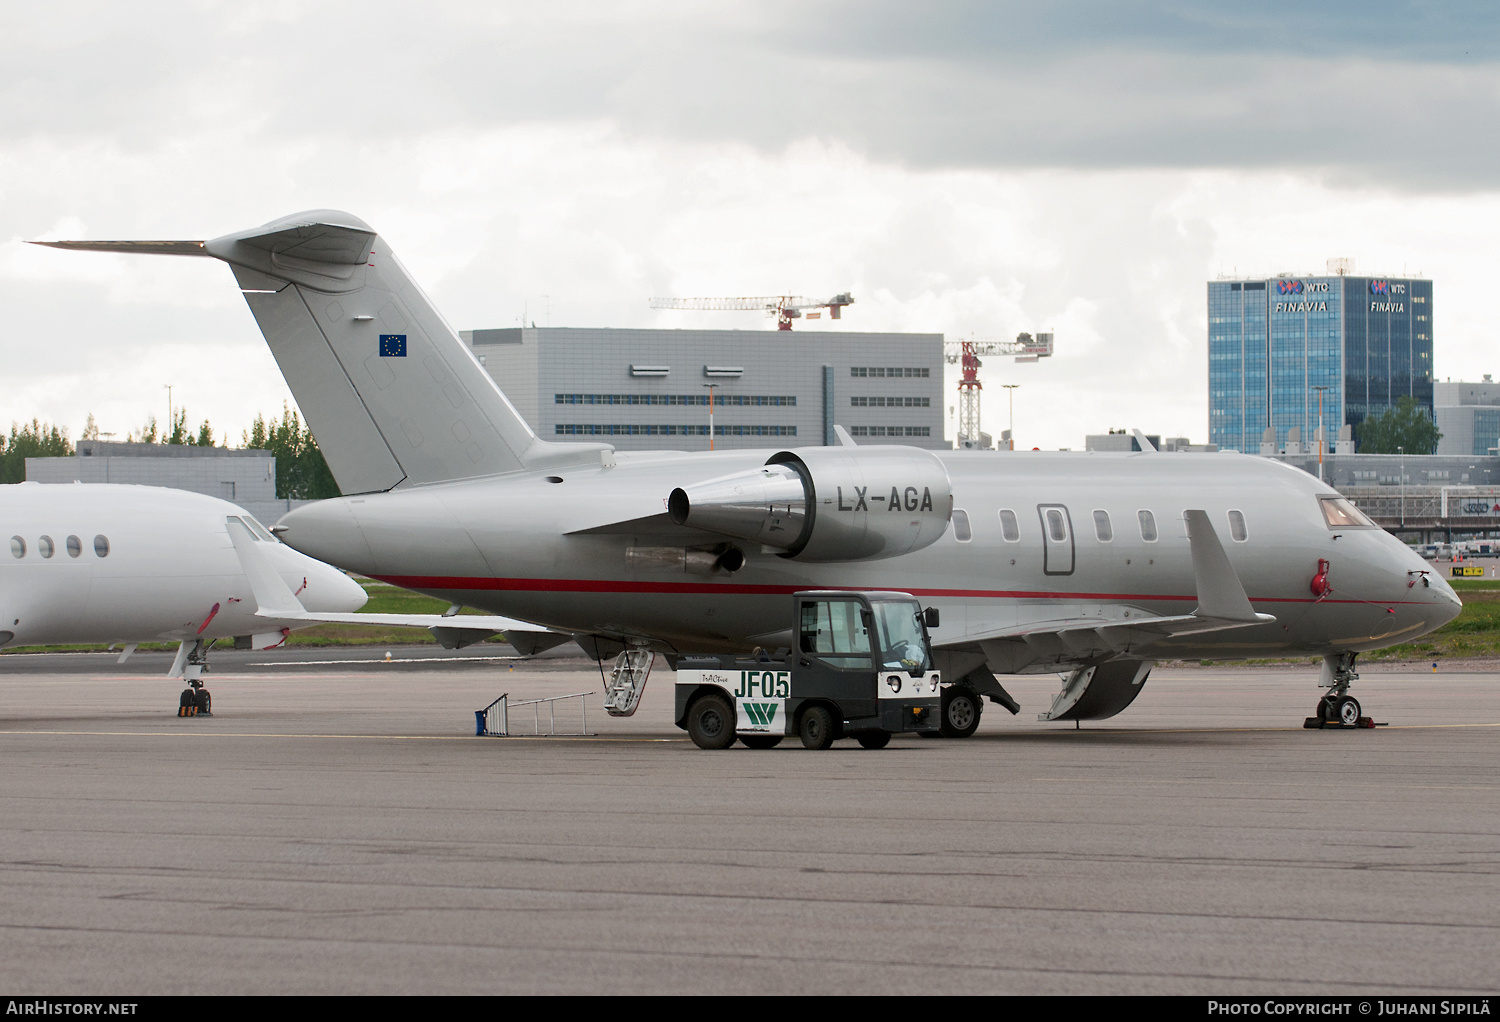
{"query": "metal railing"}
pixel 494 719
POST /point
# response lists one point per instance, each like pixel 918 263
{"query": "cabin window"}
pixel 44 546
pixel 1148 525
pixel 75 546
pixel 1010 528
pixel 1055 527
pixel 961 531
pixel 1102 528
pixel 17 546
pixel 101 546
pixel 1237 529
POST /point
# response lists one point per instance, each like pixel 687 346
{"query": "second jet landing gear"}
pixel 192 663
pixel 1338 709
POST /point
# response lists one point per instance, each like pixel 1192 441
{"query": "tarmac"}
pixel 337 828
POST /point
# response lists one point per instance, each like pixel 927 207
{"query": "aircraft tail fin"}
pixel 391 392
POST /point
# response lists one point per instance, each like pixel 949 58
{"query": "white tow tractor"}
pixel 860 666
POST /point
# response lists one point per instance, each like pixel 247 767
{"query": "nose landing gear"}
pixel 192 661
pixel 1338 709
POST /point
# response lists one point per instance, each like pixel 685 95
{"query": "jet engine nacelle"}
pixel 827 503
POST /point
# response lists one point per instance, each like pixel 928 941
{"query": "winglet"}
pixel 845 440
pixel 271 593
pixel 1140 438
pixel 1220 594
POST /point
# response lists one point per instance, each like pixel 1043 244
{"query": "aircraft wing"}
pixel 274 600
pixel 1222 605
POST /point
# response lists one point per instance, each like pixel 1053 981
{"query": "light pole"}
pixel 169 412
pixel 711 387
pixel 1011 387
pixel 1322 440
pixel 1402 452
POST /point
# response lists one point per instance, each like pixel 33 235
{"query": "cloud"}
pixel 1406 94
pixel 558 164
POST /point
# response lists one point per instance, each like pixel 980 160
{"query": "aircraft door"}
pixel 1057 539
pixel 835 643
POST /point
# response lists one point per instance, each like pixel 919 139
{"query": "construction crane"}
pixel 784 307
pixel 1025 348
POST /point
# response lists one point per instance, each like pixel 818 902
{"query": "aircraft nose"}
pixel 1445 596
pixel 1435 600
pixel 330 591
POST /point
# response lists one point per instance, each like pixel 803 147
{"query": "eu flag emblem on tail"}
pixel 392 345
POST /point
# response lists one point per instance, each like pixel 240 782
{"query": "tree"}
pixel 31 441
pixel 177 434
pixel 1407 427
pixel 301 472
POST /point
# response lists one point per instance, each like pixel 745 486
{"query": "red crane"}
pixel 784 307
pixel 966 354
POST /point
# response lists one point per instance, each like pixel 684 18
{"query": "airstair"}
pixel 626 683
pixel 494 720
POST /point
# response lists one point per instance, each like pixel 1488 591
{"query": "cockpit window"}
pixel 1339 513
pixel 261 532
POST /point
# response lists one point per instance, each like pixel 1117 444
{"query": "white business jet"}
pixel 87 563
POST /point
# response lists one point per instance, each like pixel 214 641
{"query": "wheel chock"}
pixel 1314 724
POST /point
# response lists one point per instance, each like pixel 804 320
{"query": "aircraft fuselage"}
pixel 548 547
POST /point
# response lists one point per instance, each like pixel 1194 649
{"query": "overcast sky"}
pixel 964 167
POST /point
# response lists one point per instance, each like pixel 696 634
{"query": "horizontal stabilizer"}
pixel 336 244
pixel 180 248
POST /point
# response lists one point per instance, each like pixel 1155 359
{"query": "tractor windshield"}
pixel 903 645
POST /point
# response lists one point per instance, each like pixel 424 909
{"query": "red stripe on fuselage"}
pixel 592 585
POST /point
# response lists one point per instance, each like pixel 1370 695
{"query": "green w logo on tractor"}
pixel 760 714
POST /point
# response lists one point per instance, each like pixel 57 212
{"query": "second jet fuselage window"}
pixel 44 546
pixel 1148 525
pixel 1010 528
pixel 961 531
pixel 1237 527
pixel 1102 528
pixel 1055 527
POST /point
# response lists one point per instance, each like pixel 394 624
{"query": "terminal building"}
pixel 651 389
pixel 1275 344
pixel 1468 415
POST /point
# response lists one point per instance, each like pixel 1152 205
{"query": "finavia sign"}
pixel 1302 287
pixel 1387 289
